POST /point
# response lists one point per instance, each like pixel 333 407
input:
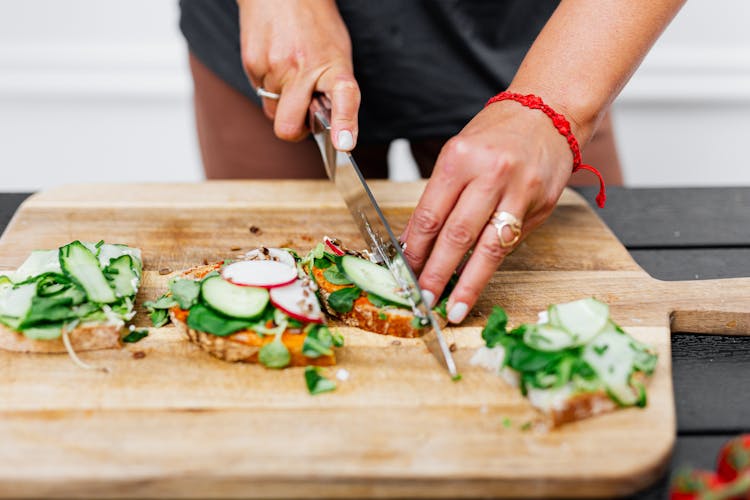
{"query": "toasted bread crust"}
pixel 585 405
pixel 86 337
pixel 581 406
pixel 365 315
pixel 244 345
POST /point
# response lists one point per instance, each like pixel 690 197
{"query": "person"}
pixel 423 70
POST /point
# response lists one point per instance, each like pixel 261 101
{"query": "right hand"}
pixel 296 48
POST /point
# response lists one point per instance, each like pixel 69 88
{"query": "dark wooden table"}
pixel 676 234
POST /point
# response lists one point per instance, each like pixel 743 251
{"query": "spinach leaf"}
pixel 381 303
pixel 496 327
pixel 442 308
pixel 135 336
pixel 159 309
pixel 318 342
pixel 525 359
pixel 317 383
pixel 205 319
pixel 49 309
pixel 322 263
pixel 343 300
pixel 185 292
pixel 333 275
pixel 275 354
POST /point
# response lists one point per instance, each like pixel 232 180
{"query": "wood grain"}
pixel 179 423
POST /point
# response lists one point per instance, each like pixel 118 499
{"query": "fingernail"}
pixel 429 298
pixel 458 312
pixel 345 140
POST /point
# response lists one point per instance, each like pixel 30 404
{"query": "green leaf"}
pixel 318 342
pixel 343 300
pixel 525 359
pixel 380 302
pixel 317 383
pixel 159 317
pixel 135 336
pixel 185 292
pixel 49 309
pixel 333 275
pixel 322 263
pixel 205 319
pixel 163 302
pixel 274 354
pixel 496 327
pixel 442 308
pixel 338 339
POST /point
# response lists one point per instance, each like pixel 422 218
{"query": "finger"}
pixel 291 110
pixel 488 254
pixel 440 195
pixel 343 91
pixel 461 230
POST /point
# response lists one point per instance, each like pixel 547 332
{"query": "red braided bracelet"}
pixel 563 126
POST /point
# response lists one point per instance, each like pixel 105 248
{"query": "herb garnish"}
pixel 317 383
pixel 185 292
pixel 135 336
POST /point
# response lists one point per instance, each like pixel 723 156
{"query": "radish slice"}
pixel 297 301
pixel 262 273
pixel 333 246
pixel 274 254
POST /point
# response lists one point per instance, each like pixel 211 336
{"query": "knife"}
pixel 374 228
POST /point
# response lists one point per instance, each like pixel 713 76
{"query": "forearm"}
pixel 586 53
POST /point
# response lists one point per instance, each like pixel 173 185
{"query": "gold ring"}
pixel 501 220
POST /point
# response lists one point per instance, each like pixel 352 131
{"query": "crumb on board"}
pixel 164 270
pixel 396 342
pixel 139 355
pixel 205 262
pixel 255 229
pixel 452 347
pixel 235 249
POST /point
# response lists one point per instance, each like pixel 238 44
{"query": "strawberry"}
pixel 692 484
pixel 734 458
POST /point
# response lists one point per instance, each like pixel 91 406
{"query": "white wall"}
pixel 98 90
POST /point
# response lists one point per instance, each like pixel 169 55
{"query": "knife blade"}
pixel 374 228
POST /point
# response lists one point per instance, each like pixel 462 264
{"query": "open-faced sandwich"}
pixel 360 292
pixel 75 298
pixel 575 364
pixel 255 310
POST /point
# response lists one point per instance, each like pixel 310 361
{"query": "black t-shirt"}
pixel 425 67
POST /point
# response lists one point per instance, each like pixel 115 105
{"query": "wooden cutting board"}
pixel 178 423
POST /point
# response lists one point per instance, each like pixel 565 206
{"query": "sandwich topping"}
pixel 54 291
pixel 576 350
pixel 261 301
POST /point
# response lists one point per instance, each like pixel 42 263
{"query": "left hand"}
pixel 508 158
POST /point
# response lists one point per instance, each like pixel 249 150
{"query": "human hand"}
pixel 295 48
pixel 508 158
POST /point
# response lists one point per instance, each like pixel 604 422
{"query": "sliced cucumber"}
pixel 39 262
pixel 81 265
pixel 122 276
pixel 43 332
pixel 244 302
pixel 373 278
pixel 583 319
pixel 15 304
pixel 611 356
pixel 547 338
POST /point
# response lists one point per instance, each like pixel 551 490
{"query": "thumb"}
pixel 342 90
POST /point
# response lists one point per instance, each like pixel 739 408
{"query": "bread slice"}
pixel 366 315
pixel 85 337
pixel 244 345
